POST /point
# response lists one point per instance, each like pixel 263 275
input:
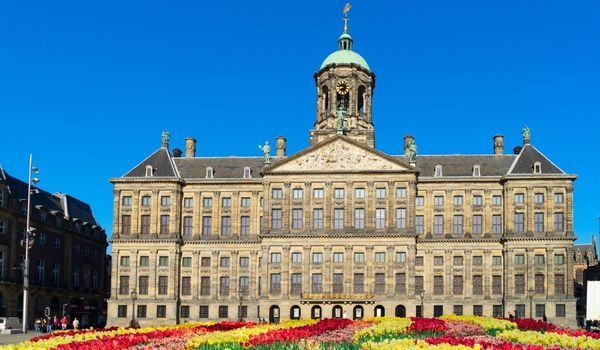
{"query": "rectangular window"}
pixel 125 224
pixel 561 310
pixel 226 225
pixel 538 260
pixel 519 223
pixel 186 285
pixel 204 285
pixel 224 286
pixel 477 201
pixel 124 261
pixel 188 202
pixel 519 198
pixel 203 311
pixel 457 310
pixel 457 285
pixel 275 258
pixel 419 224
pixel 559 283
pixel 497 224
pixel 496 260
pixel 277 193
pixel 244 285
pixel 161 311
pixel 496 200
pixel 559 259
pixel 418 261
pixel 438 201
pixel 400 257
pixel 165 200
pixel 519 284
pixel 296 287
pixel 418 284
pixel 438 285
pixel 438 260
pixel 245 225
pixel 457 260
pixel 359 283
pixel 223 311
pixel 338 193
pixel 477 224
pixel 123 285
pixel 497 311
pixel 206 225
pixel 318 193
pixel 318 218
pixel 145 224
pixel 457 224
pixel 144 260
pixel 143 285
pixel 359 258
pixel 163 261
pixel 419 201
pixel 438 224
pixel 296 258
pixel 297 193
pixel 478 310
pixel 559 198
pixel 297 218
pixel 164 224
pixel 400 285
pixel 538 222
pixel 163 285
pixel 317 283
pixel 559 222
pixel 185 311
pixel 380 283
pixel 207 202
pixel 380 218
pixel 496 284
pixel 538 198
pixel 400 217
pixel 338 283
pixel 359 193
pixel 276 216
pixel 438 310
pixel 540 310
pixel 338 218
pixel 359 218
pixel 244 261
pixel 477 285
pixel 186 261
pixel 338 257
pixel 317 258
pixel 519 259
pixel 539 283
pixel 380 193
pixel 224 261
pixel 380 257
pixel 122 311
pixel 142 311
pixel 401 192
pixel 520 310
pixel 245 202
pixel 187 225
pixel 145 201
pixel 457 201
pixel 205 261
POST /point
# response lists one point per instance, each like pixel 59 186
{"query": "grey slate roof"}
pixel 161 162
pixel 527 157
pixel 223 167
pixel 462 165
pixel 61 203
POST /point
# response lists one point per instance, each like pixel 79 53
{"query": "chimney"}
pixel 280 146
pixel 498 144
pixel 190 147
pixel 517 149
pixel 177 152
pixel 408 139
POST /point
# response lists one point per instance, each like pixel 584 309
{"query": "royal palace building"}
pixel 341 229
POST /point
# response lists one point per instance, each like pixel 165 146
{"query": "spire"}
pixel 345 40
pixel 346 10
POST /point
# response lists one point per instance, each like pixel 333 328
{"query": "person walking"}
pixel 63 322
pixel 75 323
pixel 38 325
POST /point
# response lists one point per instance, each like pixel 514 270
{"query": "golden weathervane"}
pixel 346 10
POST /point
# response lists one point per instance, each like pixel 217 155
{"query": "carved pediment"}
pixel 339 154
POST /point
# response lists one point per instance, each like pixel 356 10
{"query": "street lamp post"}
pixel 530 296
pixel 422 297
pixel 241 295
pixel 29 238
pixel 133 322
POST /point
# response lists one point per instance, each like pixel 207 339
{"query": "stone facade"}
pixel 341 227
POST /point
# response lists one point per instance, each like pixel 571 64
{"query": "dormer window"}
pixel 149 170
pixel 537 168
pixel 476 170
pixel 247 173
pixel 438 171
pixel 209 172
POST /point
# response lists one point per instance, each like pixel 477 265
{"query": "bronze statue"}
pixel 526 134
pixel 266 149
pixel 412 152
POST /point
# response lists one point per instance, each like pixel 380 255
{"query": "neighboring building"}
pixel 66 259
pixel 585 269
pixel 342 227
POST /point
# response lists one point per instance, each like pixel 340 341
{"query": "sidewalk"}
pixel 15 338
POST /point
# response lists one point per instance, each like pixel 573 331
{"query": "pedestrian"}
pixel 75 323
pixel 63 322
pixel 545 319
pixel 55 322
pixel 38 325
pixel 49 325
pixel 44 328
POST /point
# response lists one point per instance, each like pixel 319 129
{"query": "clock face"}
pixel 342 87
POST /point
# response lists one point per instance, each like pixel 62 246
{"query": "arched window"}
pixel 400 311
pixel 358 312
pixel 295 312
pixel 337 312
pixel 315 312
pixel 325 90
pixel 476 170
pixel 537 168
pixel 379 311
pixel 438 171
pixel 361 101
pixel 274 314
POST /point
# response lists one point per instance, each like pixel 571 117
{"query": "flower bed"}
pixel 445 333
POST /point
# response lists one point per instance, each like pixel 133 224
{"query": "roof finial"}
pixel 165 138
pixel 526 135
pixel 346 10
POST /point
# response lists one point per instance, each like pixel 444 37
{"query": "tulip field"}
pixel 445 333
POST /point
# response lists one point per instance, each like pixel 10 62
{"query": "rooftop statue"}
pixel 266 149
pixel 165 138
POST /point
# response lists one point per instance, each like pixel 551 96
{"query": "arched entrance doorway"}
pixel 315 312
pixel 295 312
pixel 379 311
pixel 337 312
pixel 55 306
pixel 358 312
pixel 400 311
pixel 274 314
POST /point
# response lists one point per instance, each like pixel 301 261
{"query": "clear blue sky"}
pixel 87 87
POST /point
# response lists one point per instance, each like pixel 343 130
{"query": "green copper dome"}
pixel 345 55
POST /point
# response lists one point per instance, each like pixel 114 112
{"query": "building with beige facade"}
pixel 341 228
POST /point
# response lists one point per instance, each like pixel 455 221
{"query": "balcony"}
pixel 313 298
